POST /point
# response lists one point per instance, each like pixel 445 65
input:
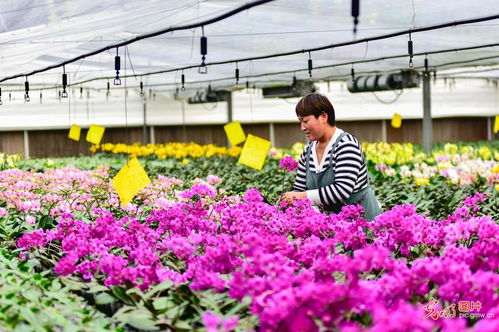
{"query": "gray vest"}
pixel 364 197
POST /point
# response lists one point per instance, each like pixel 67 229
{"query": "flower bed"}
pixel 209 253
pixel 298 267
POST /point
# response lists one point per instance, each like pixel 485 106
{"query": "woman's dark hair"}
pixel 315 104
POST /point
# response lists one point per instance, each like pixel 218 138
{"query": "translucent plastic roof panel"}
pixel 35 34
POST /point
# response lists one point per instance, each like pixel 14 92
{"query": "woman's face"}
pixel 313 127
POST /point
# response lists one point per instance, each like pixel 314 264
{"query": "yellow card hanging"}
pixel 254 152
pixel 396 120
pixel 496 125
pixel 74 132
pixel 235 133
pixel 95 134
pixel 130 180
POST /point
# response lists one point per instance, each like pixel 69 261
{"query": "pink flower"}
pixel 30 220
pixel 213 179
pixel 3 212
pixel 289 163
pixel 66 265
pixel 211 321
pixel 215 323
pixel 253 196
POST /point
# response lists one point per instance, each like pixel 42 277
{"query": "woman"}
pixel 332 170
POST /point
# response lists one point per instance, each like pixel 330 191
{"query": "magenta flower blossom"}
pixel 289 163
pixel 214 323
pixel 300 268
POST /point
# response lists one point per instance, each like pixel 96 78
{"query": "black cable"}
pixel 304 69
pixel 428 28
pixel 319 67
pixel 145 36
pixel 327 66
pixel 358 41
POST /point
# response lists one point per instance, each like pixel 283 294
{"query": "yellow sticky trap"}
pixel 235 133
pixel 254 152
pixel 95 134
pixel 74 132
pixel 396 120
pixel 130 180
pixel 496 125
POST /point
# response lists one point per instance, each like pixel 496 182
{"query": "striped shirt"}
pixel 349 168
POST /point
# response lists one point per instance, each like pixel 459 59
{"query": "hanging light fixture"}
pixel 237 74
pixel 41 96
pixel 1 96
pixel 310 65
pixel 141 89
pixel 182 81
pixel 203 69
pixel 410 50
pixel 64 93
pixel 26 90
pixel 355 14
pixel 108 91
pixel 117 67
pixel 426 63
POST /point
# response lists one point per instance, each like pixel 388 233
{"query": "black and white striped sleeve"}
pixel 349 167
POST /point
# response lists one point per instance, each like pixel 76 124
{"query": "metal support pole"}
pixel 229 110
pixel 229 106
pixel 489 128
pixel 26 145
pixel 383 131
pixel 144 127
pixel 427 121
pixel 272 134
pixel 152 135
pixel 184 129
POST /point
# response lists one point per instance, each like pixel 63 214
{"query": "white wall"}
pixel 464 98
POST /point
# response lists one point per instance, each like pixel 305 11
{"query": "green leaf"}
pixel 183 325
pixel 104 298
pixel 160 303
pixel 141 320
pixel 72 284
pixel 121 294
pixel 158 288
pixel 97 289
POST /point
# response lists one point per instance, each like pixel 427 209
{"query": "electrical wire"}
pixel 391 35
pixel 434 66
pixel 337 65
pixel 397 96
pixel 145 36
pixel 333 65
pixel 357 41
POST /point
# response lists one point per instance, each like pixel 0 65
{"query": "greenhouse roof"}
pixel 37 34
pixel 458 38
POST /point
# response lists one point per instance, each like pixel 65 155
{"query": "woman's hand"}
pixel 291 196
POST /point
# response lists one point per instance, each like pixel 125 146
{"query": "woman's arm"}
pixel 300 183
